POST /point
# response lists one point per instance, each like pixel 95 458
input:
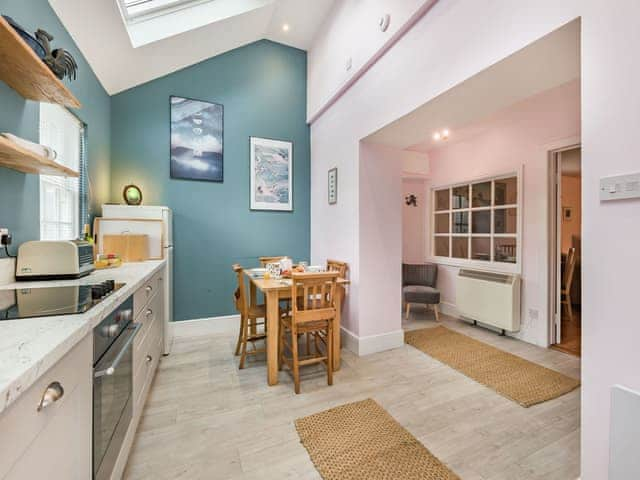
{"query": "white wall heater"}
pixel 489 298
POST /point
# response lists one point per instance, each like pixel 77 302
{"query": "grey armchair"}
pixel 419 286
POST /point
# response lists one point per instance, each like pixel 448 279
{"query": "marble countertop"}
pixel 31 346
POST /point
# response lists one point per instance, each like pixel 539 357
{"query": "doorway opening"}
pixel 566 251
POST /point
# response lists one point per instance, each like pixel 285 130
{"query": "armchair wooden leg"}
pixel 436 309
pixel 408 311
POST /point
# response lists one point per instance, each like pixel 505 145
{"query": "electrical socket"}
pixel 5 237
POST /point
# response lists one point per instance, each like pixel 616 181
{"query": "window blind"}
pixel 61 202
pixel 138 8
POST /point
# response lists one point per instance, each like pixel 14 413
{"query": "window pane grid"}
pixel 482 220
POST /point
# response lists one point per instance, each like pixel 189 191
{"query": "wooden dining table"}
pixel 274 290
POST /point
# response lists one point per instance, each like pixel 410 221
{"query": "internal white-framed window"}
pixel 63 200
pixel 478 223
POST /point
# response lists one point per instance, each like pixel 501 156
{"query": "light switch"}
pixel 620 187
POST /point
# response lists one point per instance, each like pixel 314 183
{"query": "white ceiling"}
pixel 99 31
pixel 552 61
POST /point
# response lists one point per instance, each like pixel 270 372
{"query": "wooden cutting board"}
pixel 130 247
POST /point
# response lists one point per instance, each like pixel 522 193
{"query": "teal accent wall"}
pixel 263 89
pixel 19 192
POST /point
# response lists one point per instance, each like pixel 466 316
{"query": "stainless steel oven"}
pixel 112 386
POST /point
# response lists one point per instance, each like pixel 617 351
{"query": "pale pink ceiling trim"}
pixel 421 12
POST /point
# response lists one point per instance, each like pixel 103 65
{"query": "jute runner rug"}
pixel 361 441
pixel 518 379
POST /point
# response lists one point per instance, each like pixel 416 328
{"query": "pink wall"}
pixel 414 221
pixel 448 46
pixel 334 44
pixel 517 137
pixel 380 242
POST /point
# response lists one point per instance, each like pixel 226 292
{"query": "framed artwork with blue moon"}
pixel 197 140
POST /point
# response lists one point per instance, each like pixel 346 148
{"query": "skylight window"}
pixel 137 9
pixel 149 21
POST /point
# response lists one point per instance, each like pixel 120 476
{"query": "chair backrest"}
pixel 338 266
pixel 313 296
pixel 569 268
pixel 265 260
pixel 425 274
pixel 240 295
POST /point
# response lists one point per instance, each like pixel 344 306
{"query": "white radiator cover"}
pixel 489 298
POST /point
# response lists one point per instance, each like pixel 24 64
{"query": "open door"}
pixel 565 243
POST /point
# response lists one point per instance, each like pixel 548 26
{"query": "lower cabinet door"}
pixel 62 450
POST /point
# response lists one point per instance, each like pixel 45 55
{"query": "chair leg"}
pixel 330 354
pixel 296 366
pixel 245 328
pixel 569 307
pixel 239 344
pixel 281 346
pixel 436 309
pixel 408 311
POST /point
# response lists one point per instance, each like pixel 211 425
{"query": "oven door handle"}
pixel 112 368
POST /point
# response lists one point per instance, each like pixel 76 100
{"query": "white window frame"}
pixel 154 8
pixel 488 265
pixel 66 189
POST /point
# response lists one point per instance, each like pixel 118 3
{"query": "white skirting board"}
pixel 205 326
pixel 371 344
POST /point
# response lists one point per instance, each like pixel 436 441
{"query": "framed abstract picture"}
pixel 197 140
pixel 271 174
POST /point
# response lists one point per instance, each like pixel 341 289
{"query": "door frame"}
pixel 555 239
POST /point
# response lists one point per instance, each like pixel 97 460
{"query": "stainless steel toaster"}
pixel 50 260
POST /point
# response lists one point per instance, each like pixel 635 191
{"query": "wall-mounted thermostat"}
pixel 620 187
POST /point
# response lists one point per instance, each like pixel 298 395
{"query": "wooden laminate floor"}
pixel 571 333
pixel 205 419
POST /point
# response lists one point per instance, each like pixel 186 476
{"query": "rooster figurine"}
pixel 59 60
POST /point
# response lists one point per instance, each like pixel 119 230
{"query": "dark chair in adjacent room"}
pixel 419 286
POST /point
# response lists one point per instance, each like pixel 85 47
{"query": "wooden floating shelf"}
pixel 26 73
pixel 17 158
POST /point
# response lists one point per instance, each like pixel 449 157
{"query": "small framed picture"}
pixel 271 174
pixel 332 185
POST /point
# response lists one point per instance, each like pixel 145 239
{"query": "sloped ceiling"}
pixel 100 33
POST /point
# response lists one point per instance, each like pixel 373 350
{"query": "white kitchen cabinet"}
pixel 55 441
pixel 148 307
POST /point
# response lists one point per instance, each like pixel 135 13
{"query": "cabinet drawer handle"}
pixel 148 288
pixel 149 313
pixel 149 358
pixel 53 393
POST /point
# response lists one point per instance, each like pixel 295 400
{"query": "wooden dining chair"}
pixel 337 266
pixel 265 260
pixel 567 281
pixel 313 312
pixel 249 323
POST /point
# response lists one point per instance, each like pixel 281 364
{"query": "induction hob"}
pixel 50 301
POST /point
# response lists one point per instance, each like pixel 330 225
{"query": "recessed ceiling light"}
pixel 285 27
pixel 437 136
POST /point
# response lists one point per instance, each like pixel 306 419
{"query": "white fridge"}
pixel 124 212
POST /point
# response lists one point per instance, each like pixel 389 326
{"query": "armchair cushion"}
pixel 420 294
